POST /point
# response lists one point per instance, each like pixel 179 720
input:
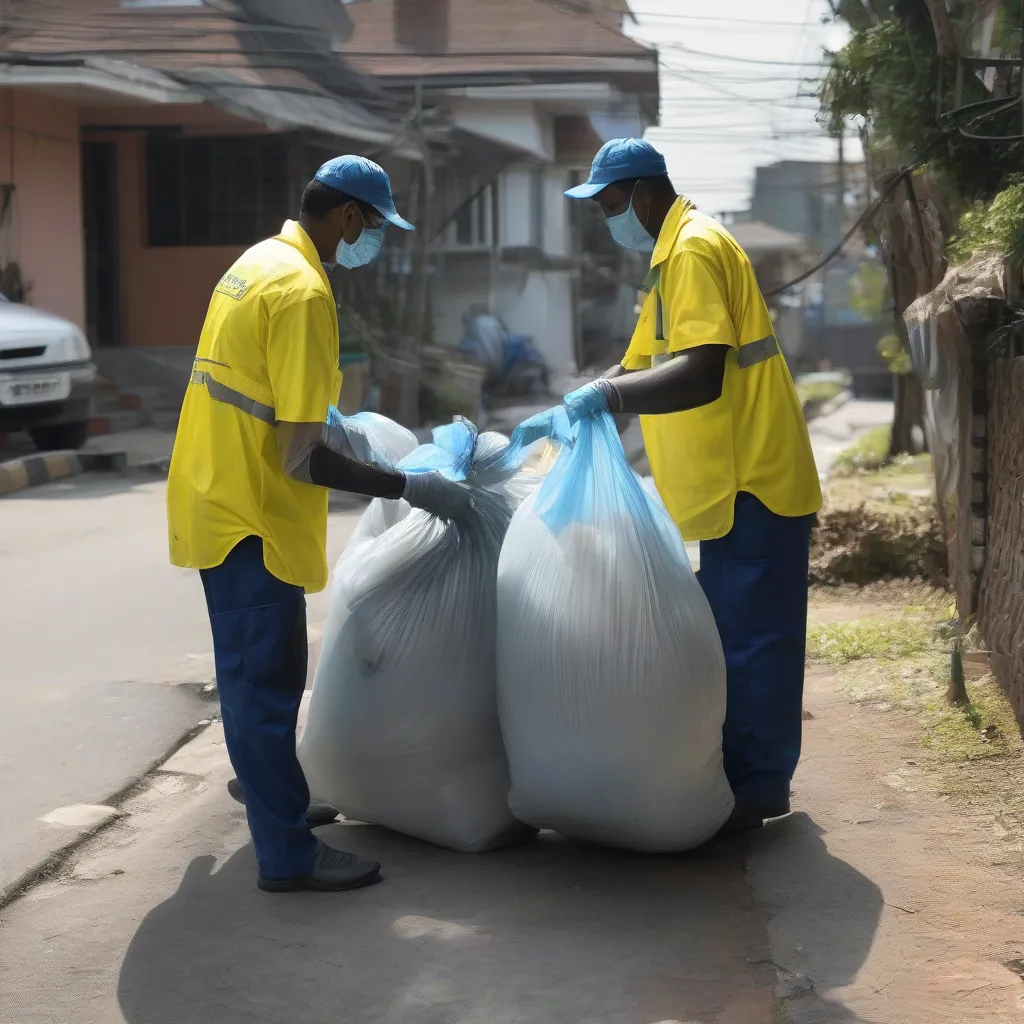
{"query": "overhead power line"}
pixel 869 212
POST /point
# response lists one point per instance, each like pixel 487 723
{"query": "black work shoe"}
pixel 746 818
pixel 333 871
pixel 317 813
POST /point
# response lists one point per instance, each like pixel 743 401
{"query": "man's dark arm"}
pixel 307 455
pixel 338 472
pixel 690 379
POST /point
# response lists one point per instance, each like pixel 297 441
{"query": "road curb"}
pixel 59 858
pixel 46 467
pixel 56 860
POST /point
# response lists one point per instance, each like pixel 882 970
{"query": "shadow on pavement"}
pixel 824 915
pixel 549 933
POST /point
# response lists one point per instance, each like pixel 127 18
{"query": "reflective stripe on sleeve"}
pixel 222 393
pixel 758 351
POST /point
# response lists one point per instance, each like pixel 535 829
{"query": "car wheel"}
pixel 62 437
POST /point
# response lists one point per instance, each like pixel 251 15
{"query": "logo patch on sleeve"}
pixel 233 286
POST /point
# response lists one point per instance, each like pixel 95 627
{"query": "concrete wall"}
pixel 536 303
pixel 40 156
pixel 540 305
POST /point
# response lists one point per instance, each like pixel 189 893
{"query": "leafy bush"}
pixel 997 226
pixel 888 74
pixel 896 357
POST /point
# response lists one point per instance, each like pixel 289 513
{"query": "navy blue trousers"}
pixel 260 650
pixel 755 579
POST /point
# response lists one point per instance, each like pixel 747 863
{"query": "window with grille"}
pixel 163 3
pixel 473 224
pixel 216 191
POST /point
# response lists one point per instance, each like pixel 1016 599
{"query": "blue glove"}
pixel 589 400
pixel 548 424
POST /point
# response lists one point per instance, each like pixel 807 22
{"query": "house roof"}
pixel 495 36
pixel 281 75
pixel 754 236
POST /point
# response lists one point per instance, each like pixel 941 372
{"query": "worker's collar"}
pixel 678 214
pixel 294 234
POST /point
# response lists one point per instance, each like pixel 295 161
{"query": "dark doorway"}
pixel 102 263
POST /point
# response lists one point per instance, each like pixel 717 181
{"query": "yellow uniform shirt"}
pixel 702 291
pixel 268 352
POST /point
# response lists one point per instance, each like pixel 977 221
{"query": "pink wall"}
pixel 164 291
pixel 40 155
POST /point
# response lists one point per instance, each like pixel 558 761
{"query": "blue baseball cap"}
pixel 366 181
pixel 620 160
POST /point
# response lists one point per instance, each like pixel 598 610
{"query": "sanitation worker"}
pixel 729 451
pixel 247 498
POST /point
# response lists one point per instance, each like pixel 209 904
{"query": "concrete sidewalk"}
pixel 869 904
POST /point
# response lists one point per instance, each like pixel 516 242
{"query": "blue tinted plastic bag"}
pixel 373 438
pixel 402 729
pixel 611 678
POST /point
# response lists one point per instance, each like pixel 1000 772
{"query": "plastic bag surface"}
pixel 402 728
pixel 611 677
pixel 374 438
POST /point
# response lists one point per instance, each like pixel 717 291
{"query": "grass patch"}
pixel 839 643
pixel 901 662
pixel 869 453
pixel 984 728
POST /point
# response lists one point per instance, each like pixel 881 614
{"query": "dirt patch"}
pixel 863 544
pixel 879 521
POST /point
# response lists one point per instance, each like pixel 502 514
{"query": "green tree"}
pixel 869 291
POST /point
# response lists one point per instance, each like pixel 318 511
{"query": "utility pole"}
pixel 841 188
pixel 840 200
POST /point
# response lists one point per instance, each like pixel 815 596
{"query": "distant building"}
pixel 526 93
pixel 134 181
pixel 803 197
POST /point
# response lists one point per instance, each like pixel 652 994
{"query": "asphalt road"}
pixel 105 651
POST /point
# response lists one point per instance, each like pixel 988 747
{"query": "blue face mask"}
pixel 627 230
pixel 363 250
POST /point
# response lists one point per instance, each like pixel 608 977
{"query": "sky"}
pixel 735 90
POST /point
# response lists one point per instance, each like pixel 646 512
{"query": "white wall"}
pixel 557 238
pixel 539 304
pixel 520 126
pixel 534 303
pixel 515 208
pixel 462 284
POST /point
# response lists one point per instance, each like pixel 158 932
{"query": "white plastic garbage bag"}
pixel 374 438
pixel 611 678
pixel 402 729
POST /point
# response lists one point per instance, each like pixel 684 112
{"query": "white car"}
pixel 47 377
